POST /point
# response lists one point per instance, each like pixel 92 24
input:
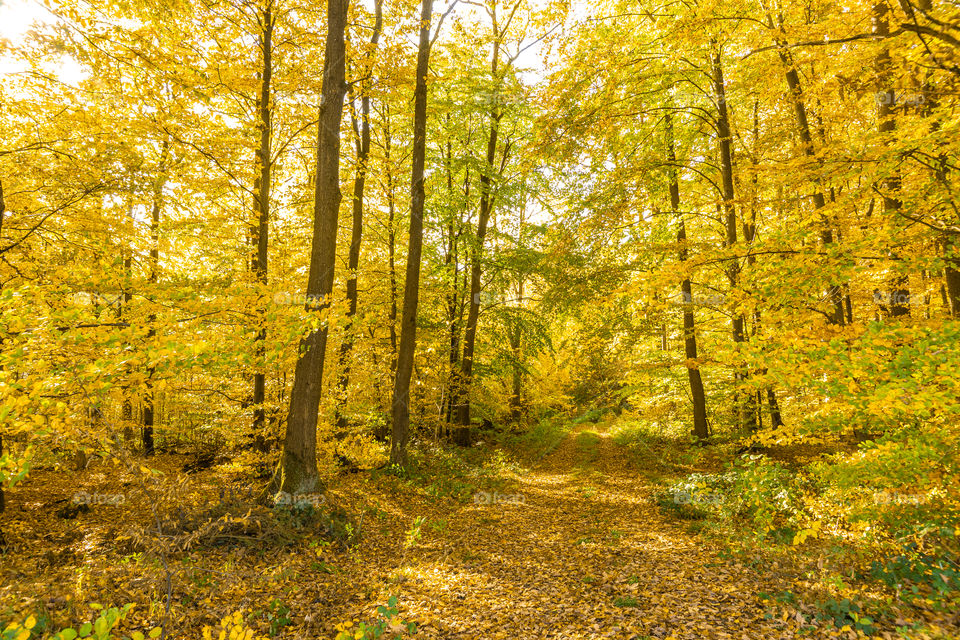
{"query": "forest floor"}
pixel 586 555
pixel 571 547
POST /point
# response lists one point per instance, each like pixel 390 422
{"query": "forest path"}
pixel 583 554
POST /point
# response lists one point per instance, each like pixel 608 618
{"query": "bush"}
pixel 765 494
pixel 696 496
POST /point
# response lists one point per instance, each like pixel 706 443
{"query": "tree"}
pixel 745 402
pixel 362 134
pixel 689 321
pixel 411 290
pixel 260 229
pixel 298 471
pixel 464 381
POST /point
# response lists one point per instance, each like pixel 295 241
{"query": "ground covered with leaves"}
pixel 566 534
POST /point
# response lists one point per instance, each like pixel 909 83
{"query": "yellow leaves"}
pixel 812 532
pixel 231 628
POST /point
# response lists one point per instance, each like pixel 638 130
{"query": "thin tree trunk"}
pixel 834 294
pixel 3 211
pixel 391 245
pixel 411 292
pixel 951 274
pixel 356 237
pixel 743 401
pixel 3 503
pixel 126 411
pixel 261 230
pixel 898 303
pixel 454 299
pixel 775 418
pixel 298 472
pixel 516 337
pixel 697 393
pixel 149 409
pixel 461 435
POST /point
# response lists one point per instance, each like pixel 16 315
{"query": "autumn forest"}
pixel 476 319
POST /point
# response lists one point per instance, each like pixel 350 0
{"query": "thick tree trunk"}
pixel 298 472
pixel 744 401
pixel 697 393
pixel 411 292
pixel 356 236
pixel 260 230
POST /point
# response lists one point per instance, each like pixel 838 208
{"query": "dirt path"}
pixel 584 555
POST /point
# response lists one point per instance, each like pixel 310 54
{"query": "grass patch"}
pixel 588 446
pixel 540 440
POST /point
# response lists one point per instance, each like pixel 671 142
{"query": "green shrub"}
pixel 386 625
pixel 765 494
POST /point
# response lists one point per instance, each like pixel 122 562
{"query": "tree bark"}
pixel 454 298
pixel 951 274
pixel 743 401
pixel 411 292
pixel 898 303
pixel 516 342
pixel 356 235
pixel 835 292
pixel 697 393
pixel 148 416
pixel 261 229
pixel 3 499
pixel 298 471
pixel 461 434
pixel 3 211
pixel 391 245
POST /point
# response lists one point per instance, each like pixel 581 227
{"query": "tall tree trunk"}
pixel 835 292
pixel 391 244
pixel 356 236
pixel 126 411
pixel 384 430
pixel 3 211
pixel 951 273
pixel 411 291
pixel 898 303
pixel 455 302
pixel 261 229
pixel 298 472
pixel 743 401
pixel 461 435
pixel 149 406
pixel 516 337
pixel 697 393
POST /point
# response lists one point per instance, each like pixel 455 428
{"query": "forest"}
pixel 479 319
